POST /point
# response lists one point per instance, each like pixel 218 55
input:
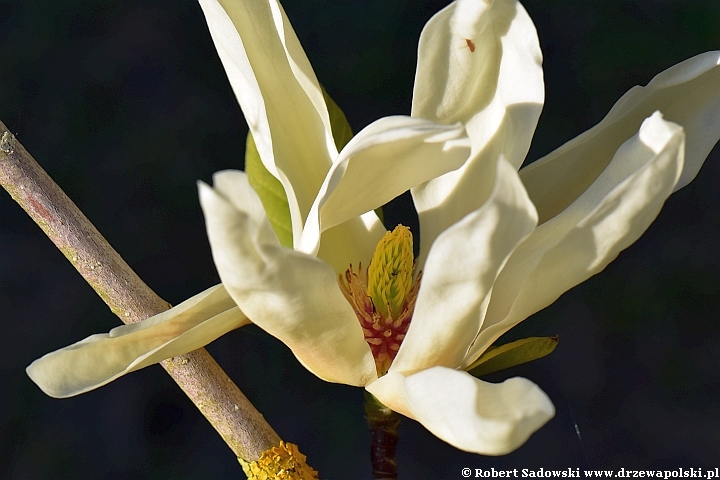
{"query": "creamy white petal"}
pixel 234 186
pixel 385 159
pixel 390 390
pixel 687 94
pixel 497 91
pixel 279 95
pixel 579 242
pixel 476 60
pixel 353 242
pixel 101 358
pixel 472 415
pixel 459 274
pixel 292 296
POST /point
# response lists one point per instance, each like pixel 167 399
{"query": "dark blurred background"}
pixel 126 105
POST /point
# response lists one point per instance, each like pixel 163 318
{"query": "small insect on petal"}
pixel 470 45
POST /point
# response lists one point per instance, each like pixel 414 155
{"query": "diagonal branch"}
pixel 233 416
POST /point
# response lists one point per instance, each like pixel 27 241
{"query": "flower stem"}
pixel 233 416
pixel 383 424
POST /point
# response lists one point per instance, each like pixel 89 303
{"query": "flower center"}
pixel 383 298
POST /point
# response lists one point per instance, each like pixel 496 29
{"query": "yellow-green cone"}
pixel 390 272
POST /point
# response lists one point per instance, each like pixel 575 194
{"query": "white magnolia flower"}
pixel 497 245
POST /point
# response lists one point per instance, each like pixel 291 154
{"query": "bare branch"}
pixel 237 421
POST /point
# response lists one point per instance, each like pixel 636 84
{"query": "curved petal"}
pixel 579 242
pixel 478 63
pixel 100 359
pixel 472 415
pixel 687 93
pixel 390 390
pixel 279 94
pixel 459 274
pixel 385 159
pixel 351 242
pixel 235 187
pixel 292 296
pixel 475 60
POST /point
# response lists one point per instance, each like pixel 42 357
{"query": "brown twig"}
pixel 233 416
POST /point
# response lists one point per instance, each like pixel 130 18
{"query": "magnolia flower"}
pixel 497 244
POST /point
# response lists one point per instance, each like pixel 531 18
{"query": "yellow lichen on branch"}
pixel 284 462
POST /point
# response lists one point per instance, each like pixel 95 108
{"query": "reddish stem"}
pixel 383 424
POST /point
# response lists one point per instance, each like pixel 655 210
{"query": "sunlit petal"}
pixel 479 63
pixel 390 390
pixel 579 242
pixel 101 358
pixel 382 161
pixel 234 186
pixel 293 296
pixel 472 415
pixel 687 94
pixel 459 274
pixel 477 416
pixel 279 94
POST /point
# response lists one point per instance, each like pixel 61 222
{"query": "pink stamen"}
pixel 384 335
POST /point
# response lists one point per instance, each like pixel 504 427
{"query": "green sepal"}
pixel 270 190
pixel 271 193
pixel 341 130
pixel 497 358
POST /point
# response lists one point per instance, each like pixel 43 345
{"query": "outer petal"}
pixel 279 94
pixel 472 415
pixel 234 186
pixel 382 161
pixel 687 93
pixel 292 296
pixel 390 390
pixel 101 358
pixel 479 62
pixel 579 242
pixel 459 274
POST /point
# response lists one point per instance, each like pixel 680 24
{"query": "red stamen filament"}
pixel 384 335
